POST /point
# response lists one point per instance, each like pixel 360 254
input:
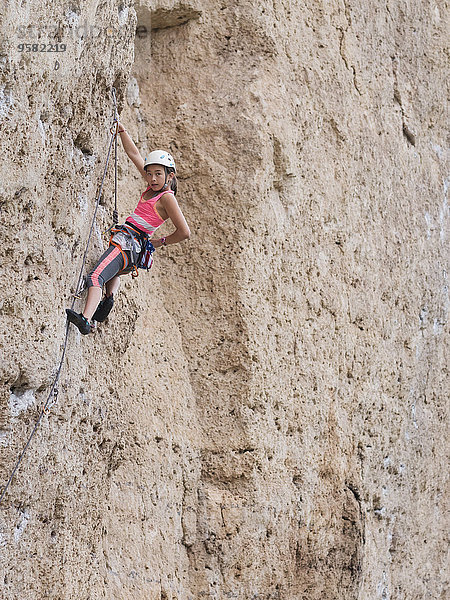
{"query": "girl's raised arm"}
pixel 130 148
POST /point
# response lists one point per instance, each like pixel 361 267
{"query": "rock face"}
pixel 263 414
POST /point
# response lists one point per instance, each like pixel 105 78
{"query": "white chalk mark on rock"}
pixel 21 402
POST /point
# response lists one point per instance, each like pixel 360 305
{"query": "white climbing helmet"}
pixel 160 157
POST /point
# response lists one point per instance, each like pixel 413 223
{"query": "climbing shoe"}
pixel 79 320
pixel 103 309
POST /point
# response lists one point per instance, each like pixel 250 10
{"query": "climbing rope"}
pixel 116 135
pixel 53 394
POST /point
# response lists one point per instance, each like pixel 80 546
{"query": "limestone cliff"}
pixel 263 416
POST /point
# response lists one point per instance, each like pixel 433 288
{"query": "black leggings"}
pixel 114 261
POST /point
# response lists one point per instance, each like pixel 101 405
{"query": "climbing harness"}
pixel 53 394
pixel 141 248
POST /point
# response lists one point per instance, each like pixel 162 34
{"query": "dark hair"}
pixel 174 182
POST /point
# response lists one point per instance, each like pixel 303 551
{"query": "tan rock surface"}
pixel 264 415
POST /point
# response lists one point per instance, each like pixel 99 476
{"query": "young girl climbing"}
pixel 127 245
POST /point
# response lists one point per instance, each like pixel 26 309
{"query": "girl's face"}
pixel 156 176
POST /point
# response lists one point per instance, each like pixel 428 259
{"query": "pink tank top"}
pixel 145 216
